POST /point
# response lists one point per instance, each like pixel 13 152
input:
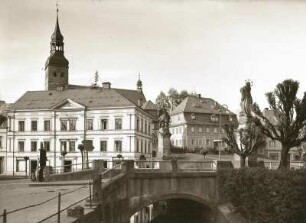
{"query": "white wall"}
pixel 128 134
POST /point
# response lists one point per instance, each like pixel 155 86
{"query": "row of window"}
pixel 70 124
pixel 104 124
pixel 142 146
pixel 34 146
pixel 208 130
pixel 177 142
pixel 34 123
pixel 193 142
pixel 272 143
pixel 213 117
pixel 177 130
pixel 200 142
pixel 68 145
pixel 143 126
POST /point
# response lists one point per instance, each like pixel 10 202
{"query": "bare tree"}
pixel 249 139
pixel 289 118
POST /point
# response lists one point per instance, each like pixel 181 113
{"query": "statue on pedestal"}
pixel 164 120
pixel 248 138
pixel 246 100
pixel 164 143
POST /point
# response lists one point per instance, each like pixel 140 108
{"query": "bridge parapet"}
pixel 138 186
pixel 175 165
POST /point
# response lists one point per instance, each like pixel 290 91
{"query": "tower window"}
pixel 62 74
pixel 54 74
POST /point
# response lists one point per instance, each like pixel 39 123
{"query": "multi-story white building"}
pixel 116 121
pixel 197 123
pixel 3 135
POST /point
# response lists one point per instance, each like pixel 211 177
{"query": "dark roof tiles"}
pixel 200 105
pixel 89 97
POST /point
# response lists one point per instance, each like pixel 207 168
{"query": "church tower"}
pixel 56 67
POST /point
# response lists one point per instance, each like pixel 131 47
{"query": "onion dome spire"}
pixel 139 84
pixel 57 39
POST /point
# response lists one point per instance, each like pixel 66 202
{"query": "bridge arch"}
pixel 138 203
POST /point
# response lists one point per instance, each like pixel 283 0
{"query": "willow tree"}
pixel 288 122
pixel 245 141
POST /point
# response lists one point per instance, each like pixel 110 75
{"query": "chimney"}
pixel 139 102
pixel 106 85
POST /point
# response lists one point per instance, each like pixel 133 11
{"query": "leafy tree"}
pixel 289 122
pixel 172 99
pixel 162 101
pixel 249 139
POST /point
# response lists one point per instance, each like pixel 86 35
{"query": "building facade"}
pixel 59 119
pixel 197 123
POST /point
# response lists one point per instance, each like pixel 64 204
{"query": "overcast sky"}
pixel 208 46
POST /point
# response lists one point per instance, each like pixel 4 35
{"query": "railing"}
pixel 59 205
pixel 296 165
pixel 205 165
pixel 72 167
pixel 151 164
pixel 273 165
pixel 174 165
pixel 114 171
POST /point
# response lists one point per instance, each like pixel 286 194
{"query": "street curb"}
pixel 44 184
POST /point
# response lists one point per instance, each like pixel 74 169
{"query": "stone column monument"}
pixel 164 143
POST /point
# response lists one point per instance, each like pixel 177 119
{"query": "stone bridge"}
pixel 132 189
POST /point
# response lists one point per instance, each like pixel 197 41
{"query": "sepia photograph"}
pixel 153 111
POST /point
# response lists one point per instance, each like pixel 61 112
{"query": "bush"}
pixel 262 195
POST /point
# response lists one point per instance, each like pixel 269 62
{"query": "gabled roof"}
pixel 131 95
pixel 149 105
pixel 89 97
pixel 151 108
pixel 194 104
pixel 67 104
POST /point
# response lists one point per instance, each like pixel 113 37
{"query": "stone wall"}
pixel 77 175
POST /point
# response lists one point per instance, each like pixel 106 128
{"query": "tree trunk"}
pixel 284 163
pixel 242 161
